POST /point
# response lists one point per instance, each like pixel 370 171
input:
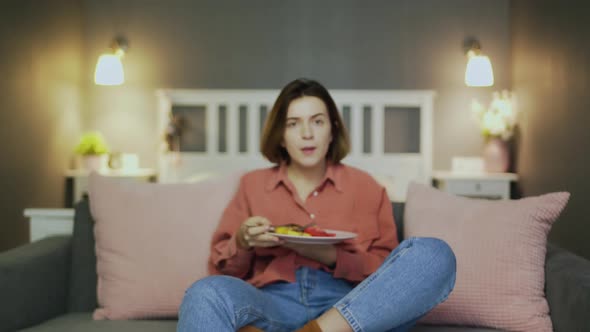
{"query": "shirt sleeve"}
pixel 226 257
pixel 356 262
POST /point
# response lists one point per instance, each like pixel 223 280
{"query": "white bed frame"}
pixel 394 170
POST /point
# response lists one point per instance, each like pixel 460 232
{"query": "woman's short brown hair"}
pixel 274 128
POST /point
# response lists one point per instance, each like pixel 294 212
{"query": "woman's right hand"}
pixel 254 233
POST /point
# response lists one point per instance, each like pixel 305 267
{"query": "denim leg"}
pixel 414 278
pixel 224 303
pixel 320 291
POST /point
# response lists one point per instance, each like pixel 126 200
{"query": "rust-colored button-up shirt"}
pixel 347 199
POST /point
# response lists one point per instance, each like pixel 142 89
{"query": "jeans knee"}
pixel 203 299
pixel 204 295
pixel 212 285
pixel 441 256
pixel 208 289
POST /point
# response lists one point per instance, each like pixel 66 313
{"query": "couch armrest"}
pixel 567 287
pixel 33 282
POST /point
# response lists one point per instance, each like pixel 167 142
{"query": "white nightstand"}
pixel 77 180
pixel 479 185
pixel 46 222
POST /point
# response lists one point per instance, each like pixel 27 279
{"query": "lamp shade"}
pixel 479 71
pixel 109 70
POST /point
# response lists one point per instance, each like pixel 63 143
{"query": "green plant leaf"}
pixel 92 143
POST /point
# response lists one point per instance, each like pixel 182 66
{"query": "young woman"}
pixel 262 283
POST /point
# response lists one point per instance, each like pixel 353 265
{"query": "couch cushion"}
pixel 398 217
pixel 82 292
pixel 567 286
pixel 443 328
pixel 500 248
pixel 33 282
pixel 76 322
pixel 152 241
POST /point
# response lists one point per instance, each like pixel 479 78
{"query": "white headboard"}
pixel 242 112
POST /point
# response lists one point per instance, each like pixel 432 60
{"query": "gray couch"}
pixel 50 285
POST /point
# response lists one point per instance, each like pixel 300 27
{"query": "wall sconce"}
pixel 479 68
pixel 109 68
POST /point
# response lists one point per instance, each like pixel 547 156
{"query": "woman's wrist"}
pixel 241 242
pixel 331 257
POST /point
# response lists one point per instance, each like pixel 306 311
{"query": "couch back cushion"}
pixel 82 292
pixel 152 242
pixel 500 248
pixel 398 217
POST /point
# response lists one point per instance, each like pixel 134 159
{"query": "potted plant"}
pixel 497 124
pixel 93 151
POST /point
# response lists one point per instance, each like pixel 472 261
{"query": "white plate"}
pixel 340 236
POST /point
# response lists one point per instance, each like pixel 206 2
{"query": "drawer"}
pixel 479 188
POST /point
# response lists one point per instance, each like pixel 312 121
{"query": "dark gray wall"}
pixel 265 44
pixel 49 50
pixel 551 77
pixel 40 46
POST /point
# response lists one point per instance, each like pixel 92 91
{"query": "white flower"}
pixel 499 119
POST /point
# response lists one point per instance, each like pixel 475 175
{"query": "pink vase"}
pixel 496 156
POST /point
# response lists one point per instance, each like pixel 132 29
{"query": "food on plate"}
pixel 316 231
pixel 288 230
pixel 298 230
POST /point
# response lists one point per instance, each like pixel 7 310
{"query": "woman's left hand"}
pixel 323 253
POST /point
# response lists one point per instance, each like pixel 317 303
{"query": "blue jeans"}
pixel 413 279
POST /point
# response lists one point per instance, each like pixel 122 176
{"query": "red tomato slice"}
pixel 316 231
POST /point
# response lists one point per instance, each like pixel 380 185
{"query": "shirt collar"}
pixel 333 174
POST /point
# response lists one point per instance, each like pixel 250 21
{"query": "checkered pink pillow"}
pixel 500 248
pixel 152 242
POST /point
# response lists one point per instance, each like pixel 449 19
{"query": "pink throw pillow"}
pixel 500 248
pixel 152 242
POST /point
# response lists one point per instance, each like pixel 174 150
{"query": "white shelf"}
pixel 139 172
pixel 475 184
pixel 47 222
pixel 449 175
pixel 49 213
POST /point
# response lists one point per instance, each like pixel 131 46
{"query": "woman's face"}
pixel 308 132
